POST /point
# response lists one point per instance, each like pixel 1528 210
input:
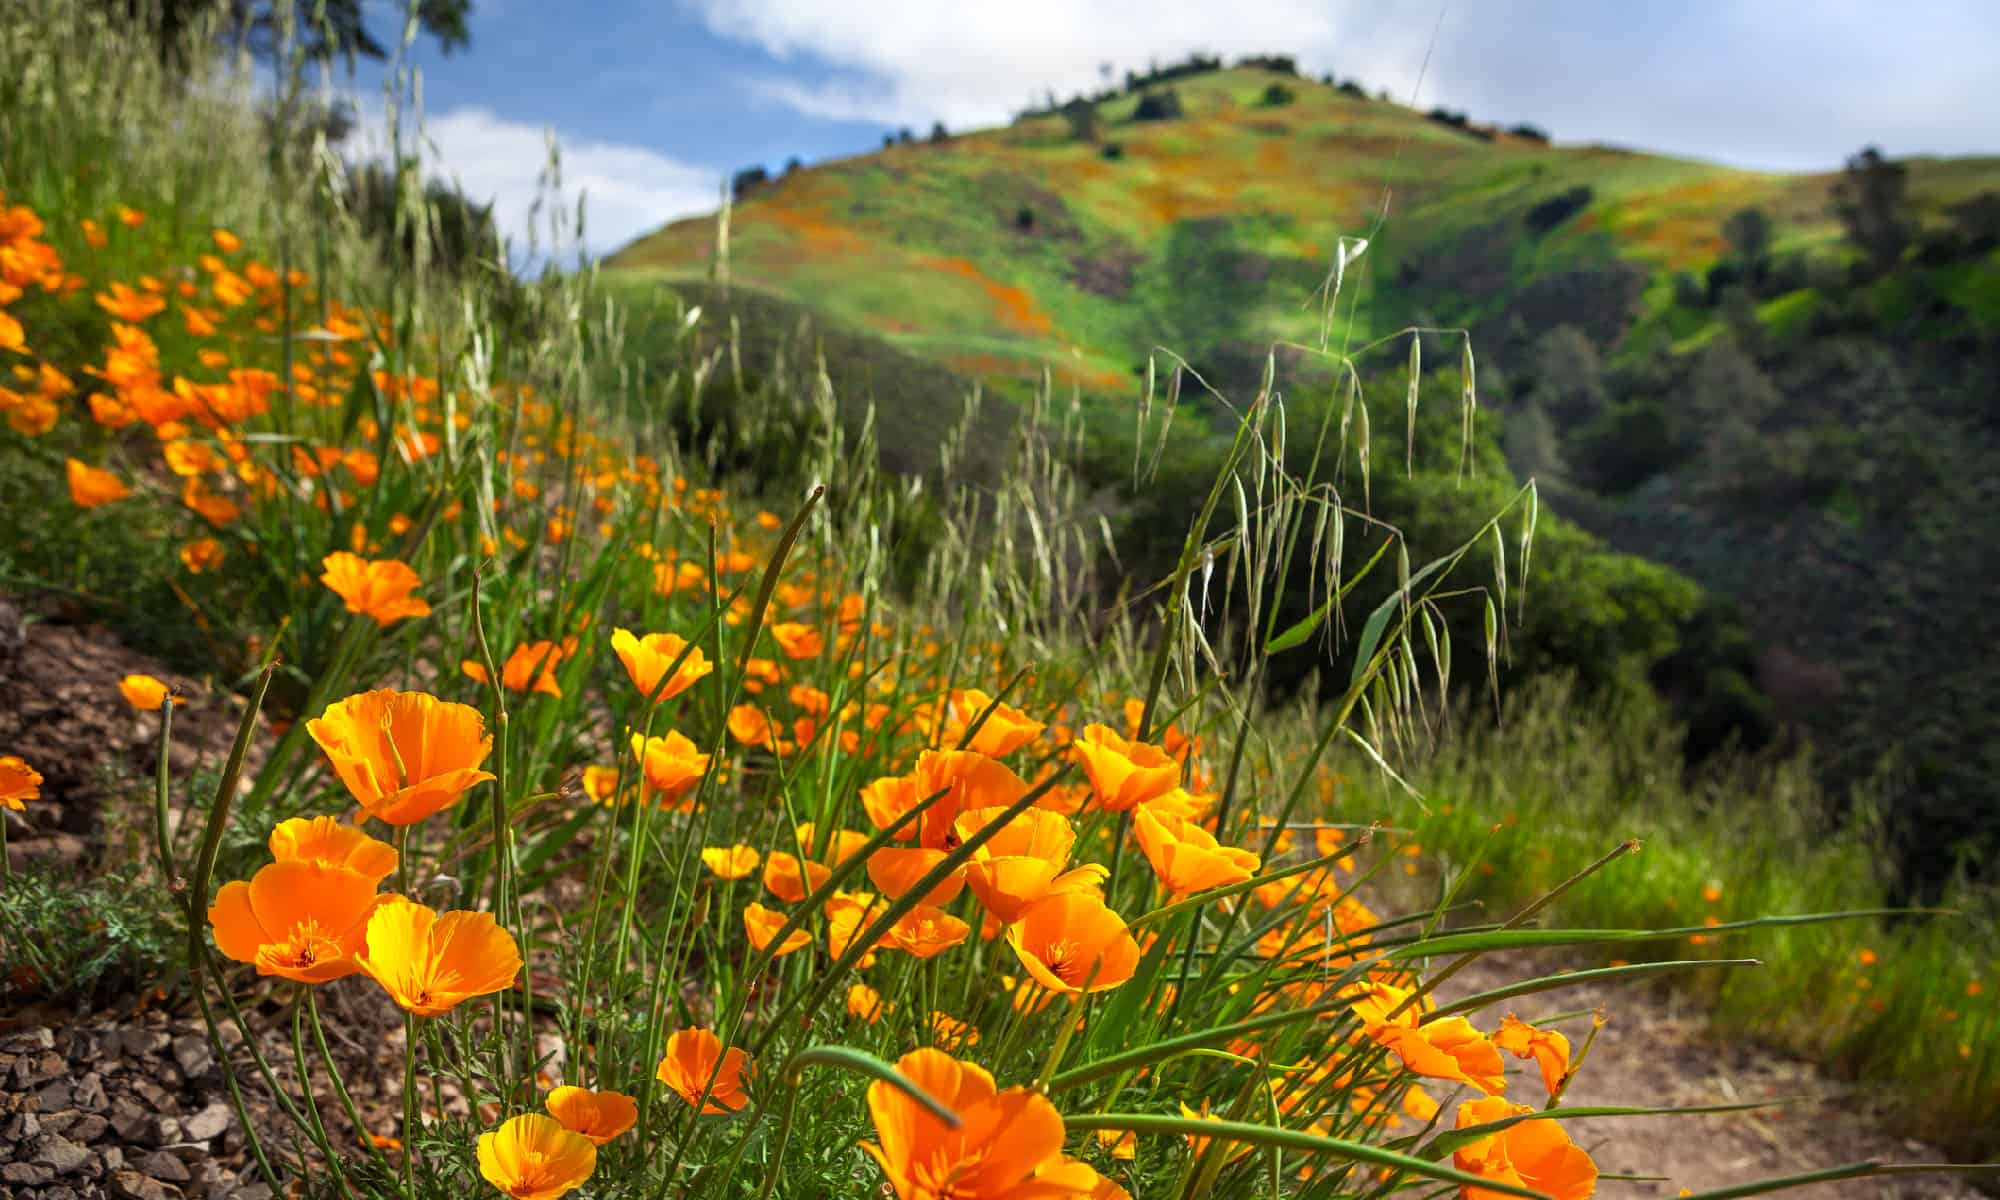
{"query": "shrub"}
pixel 1557 209
pixel 1163 104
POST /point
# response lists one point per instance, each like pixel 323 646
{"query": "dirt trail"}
pixel 1657 1051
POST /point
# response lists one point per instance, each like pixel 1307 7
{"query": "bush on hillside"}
pixel 1161 105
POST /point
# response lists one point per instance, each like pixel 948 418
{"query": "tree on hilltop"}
pixel 340 31
pixel 1872 200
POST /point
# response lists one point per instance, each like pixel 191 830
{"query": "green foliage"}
pixel 266 27
pixel 71 940
pixel 1871 198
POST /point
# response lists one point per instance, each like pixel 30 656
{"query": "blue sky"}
pixel 655 102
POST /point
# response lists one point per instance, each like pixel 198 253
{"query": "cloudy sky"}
pixel 655 102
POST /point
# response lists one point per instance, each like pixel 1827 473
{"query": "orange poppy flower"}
pixel 1187 857
pixel 143 692
pixel 599 1116
pixel 864 1003
pixel 1023 862
pixel 671 764
pixel 1548 1048
pixel 332 843
pixel 647 658
pixel 299 920
pixel 532 668
pixel 847 915
pixel 1005 729
pixel 887 799
pixel 600 783
pixel 695 1062
pixel 730 862
pixel 927 932
pixel 969 779
pixel 379 589
pixel 90 486
pixel 129 304
pixel 1004 1137
pixel 201 554
pixel 19 782
pixel 1072 941
pixel 791 880
pixel 749 725
pixel 1535 1154
pixel 1124 773
pixel 950 1033
pixel 796 640
pixel 403 755
pixel 430 962
pixel 897 869
pixel 532 1157
pixel 762 924
pixel 1447 1049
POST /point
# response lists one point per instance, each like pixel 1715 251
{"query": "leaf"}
pixel 848 1058
pixel 1291 1139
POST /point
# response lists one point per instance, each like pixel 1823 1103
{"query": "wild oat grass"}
pixel 957 887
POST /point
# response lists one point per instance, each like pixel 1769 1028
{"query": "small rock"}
pixel 59 1153
pixel 56 1096
pixel 163 1166
pixel 131 1185
pixel 253 1191
pixel 144 1043
pixel 89 1094
pixel 166 1130
pixel 207 1123
pixel 87 1128
pixel 21 1128
pixel 112 1158
pixel 27 1174
pixel 35 1037
pixel 193 1056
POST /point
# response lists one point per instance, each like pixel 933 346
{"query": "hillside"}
pixel 1797 418
pixel 996 252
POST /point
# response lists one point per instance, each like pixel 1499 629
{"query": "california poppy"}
pixel 696 1063
pixel 647 658
pixel 1023 862
pixel 671 764
pixel 430 962
pixel 532 1157
pixel 91 486
pixel 864 1003
pixel 1547 1047
pixel 897 869
pixel 332 843
pixel 1186 857
pixel 531 667
pixel 403 755
pixel 1070 942
pixel 1443 1049
pixel 791 880
pixel 303 921
pixel 1003 1139
pixel 926 931
pixel 143 692
pixel 379 589
pixel 762 924
pixel 730 862
pixel 19 782
pixel 1124 773
pixel 969 780
pixel 1005 729
pixel 1535 1154
pixel 796 640
pixel 597 1115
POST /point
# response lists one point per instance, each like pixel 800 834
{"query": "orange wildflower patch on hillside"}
pixel 1016 306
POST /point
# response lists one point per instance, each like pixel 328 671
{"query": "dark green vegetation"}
pixel 1775 386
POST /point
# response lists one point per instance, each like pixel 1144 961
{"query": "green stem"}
pixel 340 1089
pixel 160 799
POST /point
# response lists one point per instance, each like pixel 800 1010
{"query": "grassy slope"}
pixel 1210 234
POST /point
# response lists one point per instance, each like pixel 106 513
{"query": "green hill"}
pixel 1794 409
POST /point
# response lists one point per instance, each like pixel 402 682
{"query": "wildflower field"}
pixel 709 835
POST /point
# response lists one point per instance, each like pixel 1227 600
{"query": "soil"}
pixel 1657 1051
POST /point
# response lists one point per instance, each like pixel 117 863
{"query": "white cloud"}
pixel 911 61
pixel 626 189
pixel 1745 81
